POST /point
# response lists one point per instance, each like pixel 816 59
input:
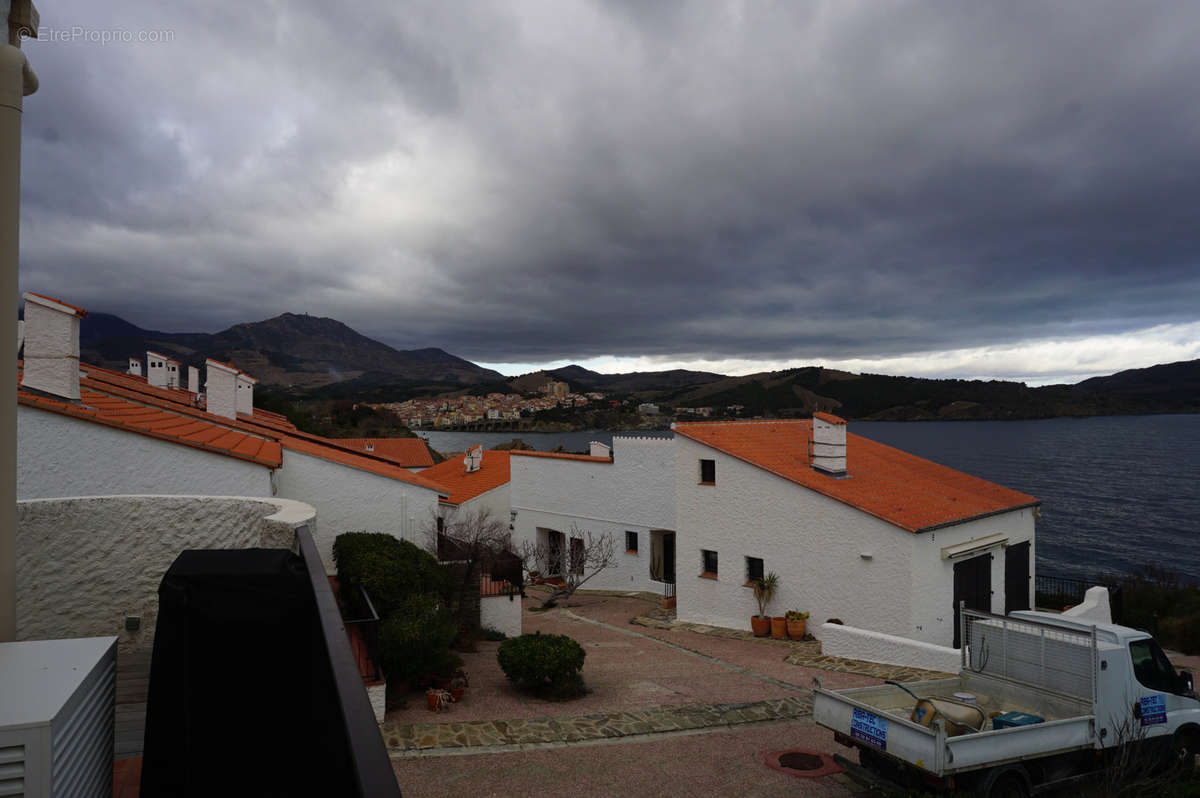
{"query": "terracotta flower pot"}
pixel 796 629
pixel 456 693
pixel 779 627
pixel 434 701
pixel 761 625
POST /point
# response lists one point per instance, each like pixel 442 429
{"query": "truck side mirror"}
pixel 1186 682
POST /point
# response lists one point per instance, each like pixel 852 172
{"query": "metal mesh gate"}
pixel 1058 659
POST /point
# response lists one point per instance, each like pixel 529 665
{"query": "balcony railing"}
pixel 1060 592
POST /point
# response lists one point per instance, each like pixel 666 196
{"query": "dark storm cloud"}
pixel 535 181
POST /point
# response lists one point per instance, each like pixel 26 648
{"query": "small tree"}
pixel 471 544
pixel 587 555
pixel 764 591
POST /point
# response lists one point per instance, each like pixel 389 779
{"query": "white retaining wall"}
pixel 85 564
pixel 635 492
pixel 502 613
pixel 62 456
pixel 863 644
pixel 352 500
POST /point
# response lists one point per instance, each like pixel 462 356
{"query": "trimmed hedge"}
pixel 391 570
pixel 414 642
pixel 545 662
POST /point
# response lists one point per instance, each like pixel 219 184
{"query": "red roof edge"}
pixel 829 418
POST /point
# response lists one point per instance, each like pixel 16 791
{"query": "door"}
pixel 973 585
pixel 1016 578
pixel 669 557
pixel 554 544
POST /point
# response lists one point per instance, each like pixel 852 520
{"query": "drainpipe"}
pixel 17 80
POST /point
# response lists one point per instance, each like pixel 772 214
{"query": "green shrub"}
pixel 414 641
pixel 548 663
pixel 487 633
pixel 1181 634
pixel 391 570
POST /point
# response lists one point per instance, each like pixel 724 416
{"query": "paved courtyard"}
pixel 673 710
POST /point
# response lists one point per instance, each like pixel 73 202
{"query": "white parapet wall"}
pixel 86 564
pixel 849 642
pixel 502 613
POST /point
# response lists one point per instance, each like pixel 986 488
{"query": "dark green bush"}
pixel 488 633
pixel 391 570
pixel 414 640
pixel 1181 634
pixel 545 662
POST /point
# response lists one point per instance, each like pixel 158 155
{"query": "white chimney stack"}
pixel 245 393
pixel 51 346
pixel 135 367
pixel 156 369
pixel 474 458
pixel 598 449
pixel 829 444
pixel 194 380
pixel 220 388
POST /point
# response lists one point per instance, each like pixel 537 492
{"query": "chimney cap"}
pixel 210 363
pixel 829 418
pixel 54 304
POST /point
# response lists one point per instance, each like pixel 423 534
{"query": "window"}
pixel 577 555
pixel 710 563
pixel 631 543
pixel 708 472
pixel 1152 668
pixel 754 568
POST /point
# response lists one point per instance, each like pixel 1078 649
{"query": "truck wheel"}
pixel 1008 785
pixel 1186 747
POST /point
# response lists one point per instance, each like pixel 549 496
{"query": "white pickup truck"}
pixel 1053 695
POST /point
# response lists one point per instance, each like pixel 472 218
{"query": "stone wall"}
pixel 86 564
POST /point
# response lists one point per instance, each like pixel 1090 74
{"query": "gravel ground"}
pixel 626 671
pixel 712 764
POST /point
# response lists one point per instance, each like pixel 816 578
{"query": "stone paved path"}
pixel 433 739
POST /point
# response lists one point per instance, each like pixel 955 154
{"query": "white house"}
pixel 874 537
pixel 89 431
pixel 629 495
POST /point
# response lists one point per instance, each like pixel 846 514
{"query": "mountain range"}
pixel 310 356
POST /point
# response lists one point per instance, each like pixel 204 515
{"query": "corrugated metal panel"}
pixel 12 770
pixel 82 739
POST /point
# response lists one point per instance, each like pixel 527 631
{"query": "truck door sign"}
pixel 1154 709
pixel 871 729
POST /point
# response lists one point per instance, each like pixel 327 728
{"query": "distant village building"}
pixel 648 409
pixel 556 389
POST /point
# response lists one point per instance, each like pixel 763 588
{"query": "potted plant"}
pixel 764 591
pixel 778 627
pixel 458 685
pixel 797 624
pixel 437 699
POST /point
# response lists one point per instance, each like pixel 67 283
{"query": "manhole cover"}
pixel 798 760
pixel 805 764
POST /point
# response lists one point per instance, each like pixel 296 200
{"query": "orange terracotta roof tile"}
pixel 407 452
pixel 162 424
pixel 128 382
pixel 80 312
pixel 587 458
pixel 463 485
pixel 913 493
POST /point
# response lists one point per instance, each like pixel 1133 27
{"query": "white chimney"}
pixel 598 449
pixel 173 374
pixel 51 346
pixel 220 388
pixel 474 458
pixel 829 444
pixel 194 380
pixel 156 369
pixel 135 367
pixel 245 393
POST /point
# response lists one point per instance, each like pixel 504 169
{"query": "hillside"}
pixel 288 351
pixel 581 379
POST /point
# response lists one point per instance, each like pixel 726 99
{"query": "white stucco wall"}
pixel 62 456
pixel 351 500
pixel 377 695
pixel 495 503
pixel 813 542
pixel 863 644
pixel 84 564
pixel 502 613
pixel 933 577
pixel 635 492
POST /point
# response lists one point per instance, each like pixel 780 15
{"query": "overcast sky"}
pixel 938 188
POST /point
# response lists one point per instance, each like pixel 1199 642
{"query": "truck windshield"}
pixel 1151 666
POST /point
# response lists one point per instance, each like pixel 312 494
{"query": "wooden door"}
pixel 973 585
pixel 1016 577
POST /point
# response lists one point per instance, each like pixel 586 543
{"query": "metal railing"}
pixel 353 746
pixel 1060 592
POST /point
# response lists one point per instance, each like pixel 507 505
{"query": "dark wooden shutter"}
pixel 973 585
pixel 1016 578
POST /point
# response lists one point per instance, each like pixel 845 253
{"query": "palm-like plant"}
pixel 764 591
